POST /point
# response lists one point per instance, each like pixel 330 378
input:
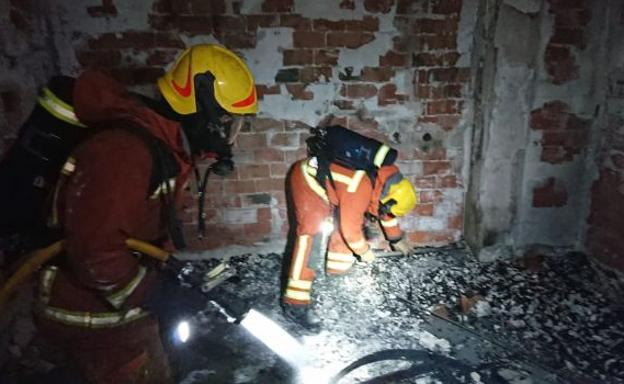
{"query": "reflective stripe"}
pixel 297 295
pixel 335 256
pixel 339 177
pixel 299 284
pixel 381 155
pixel 355 181
pixel 358 244
pixel 46 280
pixel 91 320
pixel 302 247
pixel 58 108
pixel 164 187
pixel 312 183
pixel 312 171
pixel 69 167
pixel 338 265
pixel 118 298
pixel 390 223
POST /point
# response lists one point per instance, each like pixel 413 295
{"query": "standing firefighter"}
pixel 99 301
pixel 348 176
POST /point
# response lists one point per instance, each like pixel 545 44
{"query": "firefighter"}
pixel 347 196
pixel 99 301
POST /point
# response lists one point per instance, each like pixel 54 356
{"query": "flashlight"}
pixel 183 331
pixel 327 227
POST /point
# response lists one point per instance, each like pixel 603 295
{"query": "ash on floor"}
pixel 543 325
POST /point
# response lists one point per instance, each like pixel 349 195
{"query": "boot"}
pixel 304 316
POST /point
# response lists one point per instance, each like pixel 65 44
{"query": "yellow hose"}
pixel 35 259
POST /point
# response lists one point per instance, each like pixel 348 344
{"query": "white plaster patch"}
pixel 265 60
pixel 366 55
pixel 465 35
pixel 306 111
pixel 240 216
pixel 525 6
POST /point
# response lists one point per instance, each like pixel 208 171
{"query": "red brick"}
pixel 261 21
pixel 427 182
pixel 299 92
pixel 567 36
pixel 421 76
pixel 284 140
pixel 443 107
pixel 269 155
pixel 196 25
pixel 277 6
pixel 436 26
pixel 253 171
pixel 279 170
pixel 262 89
pixel 298 56
pixel 617 159
pixel 434 153
pixel 326 57
pixel 554 155
pixel 449 181
pixel 431 238
pixel 349 39
pixel 228 24
pixel 267 185
pixel 572 18
pixel 436 167
pixel 107 9
pixel 99 59
pixel 358 91
pixel 388 95
pixel 238 40
pixel 304 39
pixel 378 6
pixel 212 7
pixel 240 186
pixel 328 25
pixel 436 42
pixel 552 193
pixel 424 210
pixel 315 74
pixel 160 57
pixel 295 21
pixel 265 124
pixel 446 91
pixel 393 59
pixel 564 5
pixel 367 24
pixel 377 75
pixel 560 64
pixel 446 7
pixel 251 140
pixel 428 59
pixel 456 222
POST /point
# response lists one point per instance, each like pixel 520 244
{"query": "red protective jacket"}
pixel 105 200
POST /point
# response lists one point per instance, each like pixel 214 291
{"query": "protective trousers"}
pixel 308 258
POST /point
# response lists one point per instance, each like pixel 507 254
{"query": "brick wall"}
pixel 390 69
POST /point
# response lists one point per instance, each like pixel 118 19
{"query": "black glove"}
pixel 171 301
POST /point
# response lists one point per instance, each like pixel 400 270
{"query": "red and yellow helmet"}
pixel 234 88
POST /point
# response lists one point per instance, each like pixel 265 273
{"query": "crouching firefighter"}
pixel 98 300
pixel 346 177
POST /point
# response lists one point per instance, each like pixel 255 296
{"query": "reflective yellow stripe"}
pixel 381 155
pixel 300 284
pixel 312 183
pixel 390 223
pixel 339 177
pixel 164 187
pixel 297 295
pixel 69 167
pixel 118 298
pixel 45 283
pixel 91 320
pixel 338 265
pixel 358 244
pixel 58 108
pixel 302 245
pixel 355 181
pixel 335 256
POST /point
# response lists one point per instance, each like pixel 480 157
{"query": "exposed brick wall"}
pixel 571 16
pixel 413 75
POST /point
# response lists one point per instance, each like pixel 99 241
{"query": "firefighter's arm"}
pixel 394 234
pixel 353 206
pixel 105 201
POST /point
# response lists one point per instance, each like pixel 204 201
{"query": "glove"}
pixel 368 256
pixel 402 246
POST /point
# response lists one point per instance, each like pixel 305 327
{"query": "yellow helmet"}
pixel 401 197
pixel 234 88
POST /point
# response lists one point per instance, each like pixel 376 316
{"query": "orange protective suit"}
pixel 353 196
